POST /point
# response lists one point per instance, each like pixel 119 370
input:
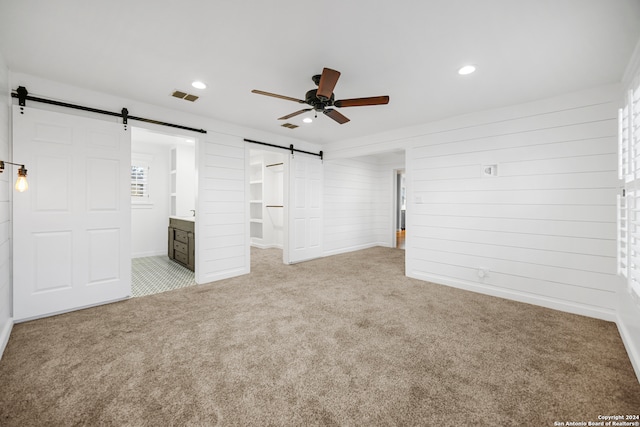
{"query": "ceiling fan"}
pixel 323 97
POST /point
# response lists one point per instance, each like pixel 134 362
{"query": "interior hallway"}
pixel 400 239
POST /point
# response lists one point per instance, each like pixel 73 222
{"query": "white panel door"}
pixel 305 208
pixel 72 228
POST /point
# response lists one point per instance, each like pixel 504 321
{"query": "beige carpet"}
pixel 345 340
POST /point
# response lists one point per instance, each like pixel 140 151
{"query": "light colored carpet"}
pixel 344 340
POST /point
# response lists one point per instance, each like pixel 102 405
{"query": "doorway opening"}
pixel 266 206
pixel 400 208
pixel 163 194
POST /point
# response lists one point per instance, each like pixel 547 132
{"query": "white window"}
pixel 629 201
pixel 139 181
pixel 140 184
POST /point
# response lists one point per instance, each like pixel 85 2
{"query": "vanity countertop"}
pixel 184 218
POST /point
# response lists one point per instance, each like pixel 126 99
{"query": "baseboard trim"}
pixel 4 335
pixel 261 246
pixel 568 307
pixel 355 248
pixel 227 274
pixel 70 310
pixel 147 254
pixel 627 340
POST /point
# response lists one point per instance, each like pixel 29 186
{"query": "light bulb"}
pixel 467 69
pixel 21 183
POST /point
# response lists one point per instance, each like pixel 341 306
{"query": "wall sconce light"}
pixel 21 182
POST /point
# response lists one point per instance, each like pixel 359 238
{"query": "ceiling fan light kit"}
pixel 323 97
pixel 467 69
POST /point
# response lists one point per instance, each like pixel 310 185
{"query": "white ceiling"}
pixel 407 49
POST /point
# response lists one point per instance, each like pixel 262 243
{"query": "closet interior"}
pixel 266 204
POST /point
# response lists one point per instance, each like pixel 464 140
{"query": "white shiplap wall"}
pixel 217 163
pixel 358 203
pixel 222 220
pixel 543 230
pixel 5 208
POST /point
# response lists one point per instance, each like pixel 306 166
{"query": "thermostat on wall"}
pixel 490 170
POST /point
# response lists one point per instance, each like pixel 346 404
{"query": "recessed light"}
pixel 307 120
pixel 199 85
pixel 467 69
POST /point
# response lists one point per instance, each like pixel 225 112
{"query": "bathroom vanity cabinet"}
pixel 182 242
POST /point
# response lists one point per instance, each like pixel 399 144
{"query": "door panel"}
pixel 51 194
pixel 103 255
pixel 72 228
pixel 299 233
pixel 221 209
pixel 103 186
pixel 305 214
pixel 315 225
pixel 52 254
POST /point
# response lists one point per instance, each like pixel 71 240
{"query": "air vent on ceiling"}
pixel 184 95
pixel 289 125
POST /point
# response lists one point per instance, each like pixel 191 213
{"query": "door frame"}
pixel 396 204
pixel 184 134
pixel 285 197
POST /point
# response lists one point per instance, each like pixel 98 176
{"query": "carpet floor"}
pixel 345 340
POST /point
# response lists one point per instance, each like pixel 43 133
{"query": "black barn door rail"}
pixel 23 96
pixel 289 148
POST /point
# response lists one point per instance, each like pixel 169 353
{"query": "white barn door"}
pixel 72 228
pixel 222 218
pixel 305 209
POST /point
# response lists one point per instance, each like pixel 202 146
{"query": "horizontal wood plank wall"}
pixel 543 230
pixel 357 205
pixel 221 220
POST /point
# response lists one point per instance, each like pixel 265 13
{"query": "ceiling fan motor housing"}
pixel 317 103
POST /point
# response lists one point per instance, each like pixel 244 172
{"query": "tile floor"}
pixel 155 274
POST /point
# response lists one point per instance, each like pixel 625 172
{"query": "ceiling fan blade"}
pixel 360 102
pixel 288 116
pixel 327 83
pixel 275 95
pixel 335 115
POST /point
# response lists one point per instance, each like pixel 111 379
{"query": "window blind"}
pixel 628 203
